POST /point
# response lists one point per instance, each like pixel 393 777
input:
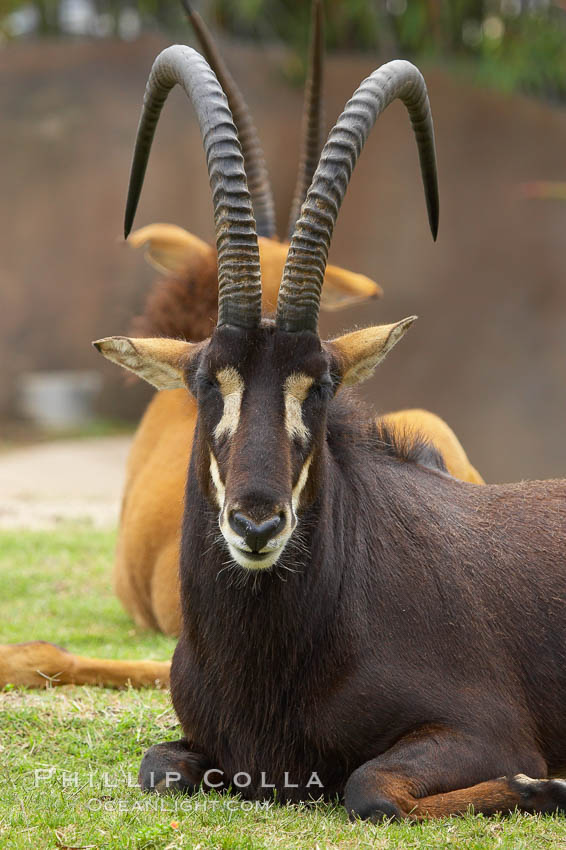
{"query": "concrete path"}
pixel 68 480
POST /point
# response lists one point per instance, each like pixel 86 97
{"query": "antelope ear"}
pixel 343 289
pixel 169 248
pixel 160 362
pixel 358 353
pixel 272 256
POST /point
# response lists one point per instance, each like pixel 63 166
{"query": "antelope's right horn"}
pixel 239 279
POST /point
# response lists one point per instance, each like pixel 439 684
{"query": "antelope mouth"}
pixel 255 560
pixel 255 556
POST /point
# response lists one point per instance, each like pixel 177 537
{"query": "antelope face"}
pixel 262 398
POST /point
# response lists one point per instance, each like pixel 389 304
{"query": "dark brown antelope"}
pixel 355 621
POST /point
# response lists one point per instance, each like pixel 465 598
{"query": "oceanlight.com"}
pixel 176 804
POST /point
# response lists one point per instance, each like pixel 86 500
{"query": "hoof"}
pixel 374 810
pixel 172 767
pixel 366 798
pixel 543 796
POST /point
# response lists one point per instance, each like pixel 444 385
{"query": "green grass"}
pixel 58 589
pixel 87 742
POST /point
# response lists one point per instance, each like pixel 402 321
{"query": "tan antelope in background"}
pixel 184 305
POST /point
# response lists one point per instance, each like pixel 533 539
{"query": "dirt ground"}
pixel 45 485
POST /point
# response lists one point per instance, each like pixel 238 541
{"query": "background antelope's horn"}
pixel 313 115
pixel 254 160
pixel 299 295
pixel 239 281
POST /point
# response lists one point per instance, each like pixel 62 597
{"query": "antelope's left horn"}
pixel 298 304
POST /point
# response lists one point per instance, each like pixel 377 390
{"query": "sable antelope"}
pixel 184 305
pixel 412 659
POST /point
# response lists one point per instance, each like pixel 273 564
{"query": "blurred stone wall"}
pixel 489 351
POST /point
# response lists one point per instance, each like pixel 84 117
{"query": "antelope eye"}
pixel 206 383
pixel 322 389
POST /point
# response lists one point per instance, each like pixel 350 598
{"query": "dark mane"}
pixel 404 444
pixel 408 445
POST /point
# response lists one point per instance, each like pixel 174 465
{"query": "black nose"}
pixel 256 536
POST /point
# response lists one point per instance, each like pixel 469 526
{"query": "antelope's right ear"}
pixel 160 362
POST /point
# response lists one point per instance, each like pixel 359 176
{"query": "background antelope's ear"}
pixel 272 256
pixel 160 362
pixel 169 248
pixel 343 288
pixel 358 353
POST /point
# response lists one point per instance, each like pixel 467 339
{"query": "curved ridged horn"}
pixel 312 124
pixel 239 281
pixel 254 160
pixel 299 294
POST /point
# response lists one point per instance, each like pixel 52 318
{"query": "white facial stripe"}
pixel 217 481
pixel 232 388
pixel 296 390
pixel 300 485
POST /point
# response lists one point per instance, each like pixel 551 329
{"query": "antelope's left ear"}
pixel 160 362
pixel 344 289
pixel 358 353
pixel 169 248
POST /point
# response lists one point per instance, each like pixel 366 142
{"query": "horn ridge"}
pixel 313 115
pixel 254 159
pixel 239 294
pixel 299 294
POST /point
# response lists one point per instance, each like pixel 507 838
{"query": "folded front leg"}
pixel 437 772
